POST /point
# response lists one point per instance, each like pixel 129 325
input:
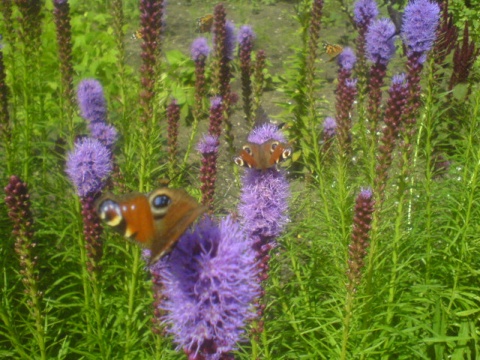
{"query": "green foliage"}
pixel 420 294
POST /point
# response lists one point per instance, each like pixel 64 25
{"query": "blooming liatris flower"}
pixel 329 130
pixel 199 49
pixel 88 166
pixel 230 39
pixel 209 284
pixel 91 101
pixel 380 48
pixel 208 147
pixel 420 21
pixel 347 59
pixel 357 250
pixel 105 133
pixel 364 12
pixel 380 41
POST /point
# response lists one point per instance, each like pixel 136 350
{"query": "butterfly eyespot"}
pixel 160 202
pixel 110 212
pixel 238 160
pixel 274 146
pixel 286 153
pixel 247 149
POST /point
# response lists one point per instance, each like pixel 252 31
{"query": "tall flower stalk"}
pixel 61 17
pixel 246 37
pixel 345 96
pixel 380 48
pixel 151 19
pixel 199 52
pixel 88 167
pixel 28 38
pixel 5 127
pixel 258 79
pixel 17 200
pixel 173 120
pixel 388 140
pixel 209 282
pixel 208 148
pixel 357 251
pixel 224 45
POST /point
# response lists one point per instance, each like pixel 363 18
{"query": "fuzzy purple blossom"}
pixel 329 127
pixel 347 59
pixel 91 101
pixel 199 49
pixel 380 41
pixel 209 284
pixel 230 39
pixel 88 166
pixel 245 35
pixel 365 11
pixel 106 134
pixel 420 21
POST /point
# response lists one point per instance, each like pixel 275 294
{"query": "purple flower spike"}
pixel 365 11
pixel 329 127
pixel 420 21
pixel 230 39
pixel 347 59
pixel 88 166
pixel 264 204
pixel 91 101
pixel 245 35
pixel 199 49
pixel 380 41
pixel 208 145
pixel 104 133
pixel 210 282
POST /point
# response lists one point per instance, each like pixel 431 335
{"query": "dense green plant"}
pixel 381 254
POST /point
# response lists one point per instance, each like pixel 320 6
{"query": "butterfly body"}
pixel 332 50
pixel 137 35
pixel 204 23
pixel 263 156
pixel 155 220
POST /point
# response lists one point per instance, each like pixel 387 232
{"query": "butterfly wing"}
pixel 277 152
pixel 130 215
pixel 173 220
pixel 249 156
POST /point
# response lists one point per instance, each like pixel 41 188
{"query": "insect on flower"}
pixel 204 23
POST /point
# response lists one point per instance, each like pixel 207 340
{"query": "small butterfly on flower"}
pixel 332 50
pixel 204 23
pixel 137 35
